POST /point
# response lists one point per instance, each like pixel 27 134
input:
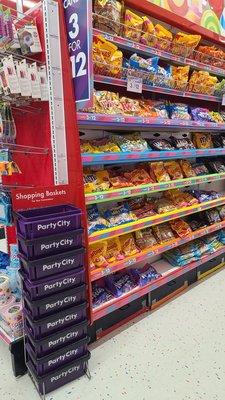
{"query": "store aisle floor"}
pixel 176 353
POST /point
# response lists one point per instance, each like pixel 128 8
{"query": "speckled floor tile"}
pixel 175 353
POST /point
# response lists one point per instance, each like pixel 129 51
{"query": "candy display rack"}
pixel 93 124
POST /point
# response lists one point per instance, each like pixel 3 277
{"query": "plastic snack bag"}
pixel 164 206
pixel 163 233
pixel 187 169
pixel 133 142
pixel 113 252
pixel 182 143
pixel 148 36
pixel 128 246
pixel 161 144
pixel 212 216
pixel 184 44
pixel 109 13
pixel 133 26
pixel 164 38
pixel 145 238
pixel 97 254
pixel 159 171
pixel 138 177
pixel 180 227
pixel 100 295
pixel 173 169
pixel 216 166
pixel 119 215
pixel 179 111
pixel 202 140
pixel 200 169
pixel 90 182
pixel 103 182
pixel 222 212
pixel 180 77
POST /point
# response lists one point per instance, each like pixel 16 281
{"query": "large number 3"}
pixel 74 21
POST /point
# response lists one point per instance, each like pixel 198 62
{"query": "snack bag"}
pixel 161 144
pixel 105 145
pixel 183 43
pixel 103 182
pixel 182 143
pixel 187 169
pixel 212 216
pixel 138 177
pixel 128 246
pixel 179 111
pixel 119 181
pixel 128 106
pixel 90 182
pixel 87 147
pixel 133 142
pixel 159 171
pixel 164 38
pixel 133 26
pixel 180 227
pixel 97 254
pixel 119 215
pixel 200 169
pixel 163 233
pixel 164 206
pixel 173 169
pixel 106 102
pixel 145 238
pixel 109 13
pixel 148 36
pixel 180 76
pixel 113 252
pixel 202 140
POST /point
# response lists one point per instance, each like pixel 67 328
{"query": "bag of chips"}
pixel 113 251
pixel 109 13
pixel 133 26
pixel 163 233
pixel 159 171
pixel 173 169
pixel 180 227
pixel 128 246
pixel 187 169
pixel 148 37
pixel 202 140
pixel 145 238
pixel 97 254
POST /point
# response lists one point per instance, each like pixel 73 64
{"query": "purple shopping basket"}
pixel 56 264
pixel 58 358
pixel 51 304
pixel 44 287
pixel 53 323
pixel 61 376
pixel 46 221
pixel 56 341
pixel 48 245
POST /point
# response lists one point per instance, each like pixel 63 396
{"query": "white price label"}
pixel 223 100
pixel 134 84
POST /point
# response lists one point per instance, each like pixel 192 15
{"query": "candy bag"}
pixel 113 252
pixel 182 143
pixel 217 166
pixel 161 144
pixel 187 169
pixel 180 227
pixel 163 233
pixel 200 169
pixel 103 182
pixel 133 26
pixel 212 216
pixel 159 171
pixel 179 111
pixel 95 221
pixel 145 238
pixel 164 206
pixel 180 76
pixel 222 212
pixel 109 13
pixel 148 37
pixel 138 177
pixel 183 43
pixel 90 182
pixel 133 142
pixel 128 246
pixel 97 254
pixel 164 38
pixel 119 215
pixel 202 140
pixel 173 169
pixel 100 295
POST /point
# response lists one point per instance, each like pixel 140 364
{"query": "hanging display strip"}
pixel 139 291
pixel 154 251
pixel 93 198
pixel 110 121
pixel 156 89
pixel 151 51
pixel 155 220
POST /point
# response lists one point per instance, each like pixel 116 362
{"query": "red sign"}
pixel 41 197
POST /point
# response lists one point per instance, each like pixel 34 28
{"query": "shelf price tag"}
pixel 134 84
pixel 78 18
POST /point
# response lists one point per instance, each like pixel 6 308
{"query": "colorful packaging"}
pixel 161 144
pixel 212 216
pixel 145 238
pixel 113 252
pixel 200 169
pixel 163 233
pixel 173 169
pixel 128 246
pixel 179 111
pixel 164 206
pixel 159 171
pixel 133 26
pixel 148 37
pixel 138 177
pixel 202 140
pixel 164 38
pixel 217 166
pixel 103 182
pixel 180 227
pixel 97 254
pixel 202 82
pixel 187 169
pixel 109 14
pixel 184 44
pixel 180 76
pixel 119 215
pixel 133 142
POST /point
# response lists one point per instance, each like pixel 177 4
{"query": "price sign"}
pixel 134 84
pixel 78 18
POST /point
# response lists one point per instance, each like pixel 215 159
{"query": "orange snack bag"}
pixel 187 169
pixel 159 171
pixel 97 253
pixel 133 26
pixel 128 245
pixel 173 169
pixel 113 252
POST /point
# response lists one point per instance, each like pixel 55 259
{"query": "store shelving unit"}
pixel 103 317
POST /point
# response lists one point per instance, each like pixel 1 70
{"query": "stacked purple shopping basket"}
pixel 54 294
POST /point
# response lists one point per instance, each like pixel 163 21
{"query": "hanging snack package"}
pixel 163 233
pixel 164 38
pixel 109 13
pixel 133 26
pixel 145 238
pixel 128 246
pixel 202 140
pixel 97 254
pixel 114 252
pixel 180 227
pixel 148 36
pixel 29 39
pixel 159 171
pixel 187 169
pixel 173 169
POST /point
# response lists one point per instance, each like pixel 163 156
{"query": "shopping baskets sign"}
pixel 78 18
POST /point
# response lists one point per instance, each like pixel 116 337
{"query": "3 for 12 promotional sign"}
pixel 78 18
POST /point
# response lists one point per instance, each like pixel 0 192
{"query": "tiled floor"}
pixel 176 353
